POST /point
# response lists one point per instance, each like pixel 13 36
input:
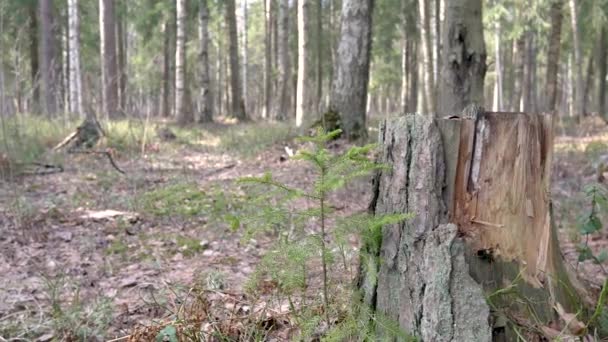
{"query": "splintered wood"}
pixel 501 191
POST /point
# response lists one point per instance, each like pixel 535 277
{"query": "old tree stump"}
pixel 480 260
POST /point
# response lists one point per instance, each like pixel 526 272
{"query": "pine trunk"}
pixel 602 66
pixel 578 61
pixel 464 64
pixel 553 54
pixel 75 77
pixel 109 67
pixel 268 8
pixel 206 114
pixel 166 91
pixel 518 73
pixel 48 64
pixel 182 110
pixel 427 55
pixel 304 90
pixel 237 103
pixel 281 110
pixel 34 61
pixel 498 69
pixel 349 88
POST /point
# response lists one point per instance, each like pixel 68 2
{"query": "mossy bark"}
pixel 479 189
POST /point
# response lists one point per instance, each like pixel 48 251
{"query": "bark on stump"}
pixel 478 186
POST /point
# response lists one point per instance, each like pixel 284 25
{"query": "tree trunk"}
pixel 481 221
pixel 409 77
pixel 438 6
pixel 518 74
pixel 527 84
pixel 167 44
pixel 589 77
pixel 578 61
pixel 319 53
pixel 109 74
pixel 75 93
pixel 282 100
pixel 553 53
pixel 602 65
pixel 47 59
pixel 498 67
pixel 464 64
pixel 245 47
pixel 238 105
pixel 268 8
pixel 304 91
pixel 182 110
pixel 349 88
pixel 122 58
pixel 427 55
pixel 206 114
pixel 34 62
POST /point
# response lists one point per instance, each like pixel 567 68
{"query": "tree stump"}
pixel 481 252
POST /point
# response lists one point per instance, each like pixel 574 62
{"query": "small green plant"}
pixel 189 246
pixel 591 223
pixel 117 247
pixel 315 234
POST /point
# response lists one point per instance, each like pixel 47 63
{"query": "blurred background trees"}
pixel 196 60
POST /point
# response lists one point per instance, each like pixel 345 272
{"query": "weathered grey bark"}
pixel 75 93
pixel 578 60
pixel 481 218
pixel 206 114
pixel 427 55
pixel 305 109
pixel 553 53
pixel 349 89
pixel 464 64
pixel 34 61
pixel 238 105
pixel 48 64
pixel 109 65
pixel 281 110
pixel 423 281
pixel 602 66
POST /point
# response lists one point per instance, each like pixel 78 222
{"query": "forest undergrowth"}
pixel 92 254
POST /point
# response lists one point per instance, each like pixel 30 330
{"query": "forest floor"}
pixel 91 253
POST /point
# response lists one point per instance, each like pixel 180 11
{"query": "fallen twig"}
pixel 107 153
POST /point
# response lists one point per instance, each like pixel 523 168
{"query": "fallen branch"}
pixel 107 153
pixel 219 170
pixel 44 169
pixel 66 141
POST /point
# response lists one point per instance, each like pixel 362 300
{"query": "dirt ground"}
pixel 90 248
